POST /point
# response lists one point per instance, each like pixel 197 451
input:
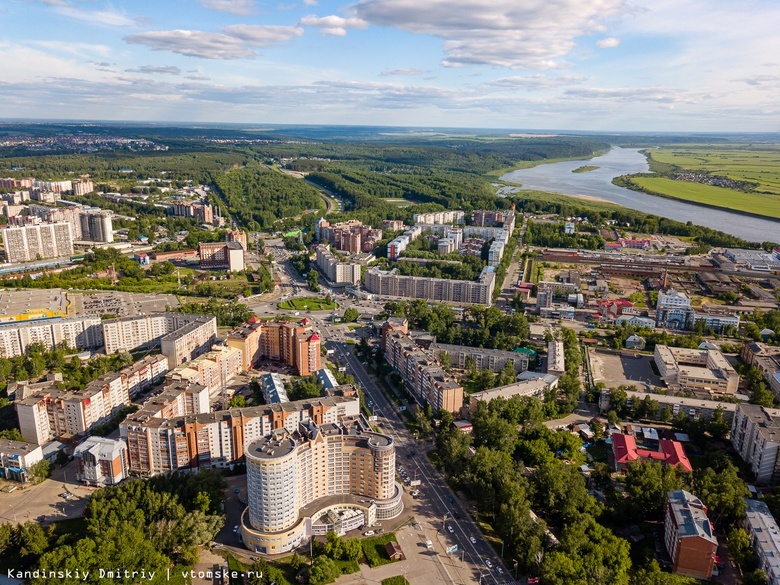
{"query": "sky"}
pixel 598 65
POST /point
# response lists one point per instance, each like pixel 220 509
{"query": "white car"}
pixel 450 528
pixel 473 540
pixel 488 563
pixel 235 529
pixel 368 533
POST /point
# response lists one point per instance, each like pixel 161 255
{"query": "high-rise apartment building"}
pixel 336 270
pixel 317 479
pixel 97 226
pixel 161 438
pixel 755 435
pixel 688 535
pixel 198 210
pixel 33 242
pixel 182 337
pixel 213 369
pixel 392 284
pixel 76 332
pixel 82 187
pixel 222 256
pixel 290 343
pixel 422 373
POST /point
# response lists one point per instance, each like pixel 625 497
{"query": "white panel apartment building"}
pixel 335 270
pixel 46 240
pixel 50 412
pixel 218 439
pixel 392 284
pixel 79 333
pixel 182 337
pixel 755 435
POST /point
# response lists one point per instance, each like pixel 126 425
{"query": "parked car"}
pixel 368 533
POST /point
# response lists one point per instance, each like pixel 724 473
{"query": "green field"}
pixel 767 205
pixel 585 169
pixel 307 304
pixel 760 166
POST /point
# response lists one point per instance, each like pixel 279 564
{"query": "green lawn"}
pixel 397 580
pixel 374 549
pixel 307 303
pixel 767 205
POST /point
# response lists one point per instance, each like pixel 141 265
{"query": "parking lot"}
pixel 45 502
pixel 615 370
pixel 121 304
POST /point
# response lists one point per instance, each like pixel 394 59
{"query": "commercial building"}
pixel 97 226
pixel 160 439
pixel 336 270
pixel 755 435
pixel 101 461
pixel 688 535
pixel 77 333
pixel 391 284
pixel 696 370
pixel 556 358
pixel 317 479
pixel 625 450
pixel 524 388
pixel 16 459
pixel 484 359
pixel 213 369
pixel 764 535
pixel 36 242
pixel 221 256
pixel 673 310
pixel 181 336
pixel 422 373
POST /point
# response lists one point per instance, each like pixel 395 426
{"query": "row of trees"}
pixel 479 327
pixel 551 235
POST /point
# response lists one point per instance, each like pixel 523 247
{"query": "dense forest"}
pixel 258 196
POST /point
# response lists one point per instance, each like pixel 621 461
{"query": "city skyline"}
pixel 607 65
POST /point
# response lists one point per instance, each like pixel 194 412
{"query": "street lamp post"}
pixel 443 522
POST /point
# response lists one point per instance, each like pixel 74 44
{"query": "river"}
pixel 558 178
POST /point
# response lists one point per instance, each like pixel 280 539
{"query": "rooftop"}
pixel 690 515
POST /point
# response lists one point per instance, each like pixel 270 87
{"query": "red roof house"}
pixel 624 450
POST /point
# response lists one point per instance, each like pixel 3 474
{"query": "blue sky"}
pixel 604 65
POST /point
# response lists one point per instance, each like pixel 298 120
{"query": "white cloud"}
pixel 237 7
pixel 405 72
pixel 640 94
pixel 608 43
pixel 533 34
pixel 193 43
pixel 333 25
pixel 536 82
pixel 262 35
pixel 167 69
pixel 100 17
pixel 86 50
pixel 310 2
pixel 196 75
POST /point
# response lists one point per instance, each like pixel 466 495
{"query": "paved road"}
pixel 443 501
